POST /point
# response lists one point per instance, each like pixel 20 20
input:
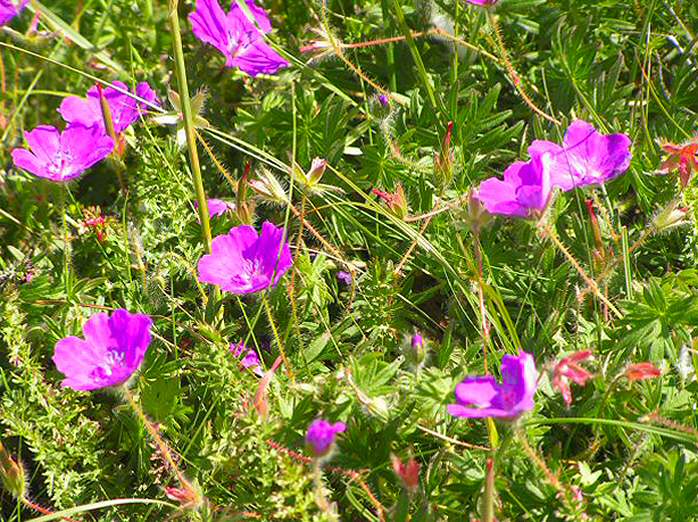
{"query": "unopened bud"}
pixel 244 208
pixel 269 188
pixel 12 474
pixel 417 351
pixel 443 162
pixel 670 217
pixel 317 169
pixel 477 216
pixel 396 202
pixel 408 472
pixel 642 371
pixel 189 496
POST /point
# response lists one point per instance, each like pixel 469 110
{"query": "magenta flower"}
pixel 62 156
pixel 478 397
pixel 242 262
pixel 113 349
pixel 250 361
pixel 11 8
pixel 216 207
pixel 485 3
pixel 321 435
pixel 586 157
pixel 417 341
pixel 345 277
pixel 234 35
pixel 124 109
pixel 524 192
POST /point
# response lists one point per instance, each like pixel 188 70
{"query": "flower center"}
pixel 104 371
pixel 61 165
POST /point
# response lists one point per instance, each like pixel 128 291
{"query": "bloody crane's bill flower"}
pixel 485 3
pixel 250 361
pixel 62 156
pixel 524 191
pixel 11 8
pixel 321 435
pixel 241 41
pixel 123 108
pixel 112 350
pixel 478 397
pixel 242 262
pixel 586 156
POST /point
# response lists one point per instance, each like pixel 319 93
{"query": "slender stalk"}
pixel 550 233
pixel 161 444
pixel 320 497
pixel 421 69
pixel 488 503
pixel 626 264
pixel 277 337
pixel 190 131
pixel 66 243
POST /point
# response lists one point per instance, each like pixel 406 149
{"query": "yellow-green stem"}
pixel 161 444
pixel 277 337
pixel 190 131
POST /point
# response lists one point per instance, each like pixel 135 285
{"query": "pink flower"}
pixel 250 360
pixel 683 158
pixel 478 397
pixel 567 370
pixel 243 262
pixel 234 35
pixel 124 109
pixel 321 435
pixel 524 192
pixel 11 8
pixel 216 207
pixel 113 349
pixel 485 3
pixel 408 472
pixel 62 156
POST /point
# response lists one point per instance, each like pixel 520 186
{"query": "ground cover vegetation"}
pixel 348 260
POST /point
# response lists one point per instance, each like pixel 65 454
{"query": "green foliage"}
pixel 623 450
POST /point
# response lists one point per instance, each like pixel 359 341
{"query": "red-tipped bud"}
pixel 408 473
pixel 12 474
pixel 642 371
pixel 396 202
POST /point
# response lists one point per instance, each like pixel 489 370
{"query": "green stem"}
pixel 488 503
pixel 66 243
pixel 277 337
pixel 190 131
pixel 421 69
pixel 161 444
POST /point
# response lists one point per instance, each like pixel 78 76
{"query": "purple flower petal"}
pixel 113 349
pixel 478 397
pixel 9 9
pixel 62 156
pixel 124 109
pixel 586 157
pixel 241 262
pixel 321 435
pixel 236 37
pixel 525 190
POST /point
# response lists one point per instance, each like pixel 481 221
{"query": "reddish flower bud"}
pixel 12 474
pixel 408 472
pixel 642 371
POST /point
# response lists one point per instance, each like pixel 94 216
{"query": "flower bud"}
pixel 642 371
pixel 269 188
pixel 12 474
pixel 317 169
pixel 408 472
pixel 670 217
pixel 443 163
pixel 244 207
pixel 321 435
pixel 396 202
